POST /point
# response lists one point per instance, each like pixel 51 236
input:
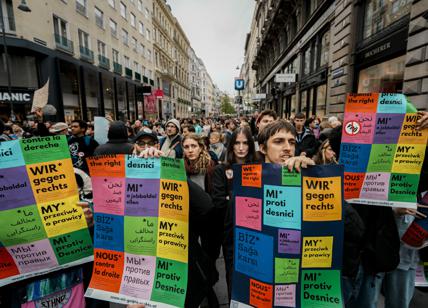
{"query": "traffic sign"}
pixel 239 84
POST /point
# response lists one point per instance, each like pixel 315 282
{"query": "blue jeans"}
pixel 399 286
pixel 351 287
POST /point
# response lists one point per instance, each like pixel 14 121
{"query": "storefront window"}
pixel 379 14
pixel 307 61
pixel 321 100
pixel 303 100
pixel 293 105
pixel 108 93
pixel 23 71
pixel 131 93
pixel 91 89
pixel 68 76
pixel 121 101
pixel 383 77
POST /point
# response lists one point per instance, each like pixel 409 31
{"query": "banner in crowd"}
pixel 42 228
pixel 421 279
pixel 382 150
pixel 416 235
pixel 288 236
pixel 141 218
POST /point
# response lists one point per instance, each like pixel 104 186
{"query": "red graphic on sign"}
pixel 352 128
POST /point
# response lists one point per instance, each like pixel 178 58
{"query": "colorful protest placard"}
pixel 421 279
pixel 43 229
pixel 288 236
pixel 382 150
pixel 141 230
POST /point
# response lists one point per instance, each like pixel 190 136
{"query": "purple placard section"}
pixel 34 256
pixel 375 186
pixel 289 241
pixel 15 188
pixel 358 127
pixel 133 275
pixel 142 197
pixel 388 128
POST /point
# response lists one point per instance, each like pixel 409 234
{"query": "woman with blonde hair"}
pixel 198 162
pixel 325 154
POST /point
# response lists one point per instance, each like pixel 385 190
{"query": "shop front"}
pixel 380 53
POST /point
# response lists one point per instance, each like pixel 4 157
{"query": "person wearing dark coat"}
pixel 117 141
pixel 241 149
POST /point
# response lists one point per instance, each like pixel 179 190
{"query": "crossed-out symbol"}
pixel 352 128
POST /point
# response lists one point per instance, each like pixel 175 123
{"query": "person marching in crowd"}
pixel 171 144
pixel 241 150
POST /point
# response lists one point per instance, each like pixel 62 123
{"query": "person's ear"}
pixel 263 149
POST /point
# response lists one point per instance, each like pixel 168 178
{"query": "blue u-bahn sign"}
pixel 239 84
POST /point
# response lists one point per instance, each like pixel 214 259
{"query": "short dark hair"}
pixel 273 128
pixel 189 127
pixel 300 115
pixel 267 112
pixel 82 124
pixel 228 122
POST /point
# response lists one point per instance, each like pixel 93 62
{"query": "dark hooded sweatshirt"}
pixel 117 141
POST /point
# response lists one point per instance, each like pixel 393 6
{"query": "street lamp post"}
pixel 23 7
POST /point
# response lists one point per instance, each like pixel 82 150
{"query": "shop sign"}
pixel 285 78
pixel 158 93
pixel 16 96
pixel 259 96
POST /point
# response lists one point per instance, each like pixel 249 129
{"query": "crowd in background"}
pixel 373 256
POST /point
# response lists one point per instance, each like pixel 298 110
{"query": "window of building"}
pixel 60 27
pixel 386 77
pixel 142 50
pixel 321 100
pixel 69 79
pixel 379 14
pixel 307 61
pixel 133 20
pixel 115 56
pixel 125 37
pixel 122 10
pixel 141 28
pixel 8 17
pixel 325 46
pixel 134 43
pixel 149 55
pixel 147 13
pixel 99 18
pixel 113 28
pixel 140 5
pixel 83 39
pixel 101 48
pixel 148 34
pixel 112 4
pixel 126 61
pixel 81 7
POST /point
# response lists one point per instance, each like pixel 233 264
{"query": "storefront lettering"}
pixel 15 97
pixel 377 50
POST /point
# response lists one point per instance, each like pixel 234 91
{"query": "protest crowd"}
pixel 374 260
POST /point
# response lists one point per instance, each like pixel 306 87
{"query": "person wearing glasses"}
pixel 145 140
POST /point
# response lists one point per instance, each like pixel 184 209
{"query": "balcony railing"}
pixel 103 62
pixel 64 43
pixel 117 68
pixel 128 72
pixel 86 54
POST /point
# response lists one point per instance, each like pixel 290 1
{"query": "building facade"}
pixel 337 47
pixel 195 82
pixel 97 55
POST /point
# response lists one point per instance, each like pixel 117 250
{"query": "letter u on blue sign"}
pixel 239 84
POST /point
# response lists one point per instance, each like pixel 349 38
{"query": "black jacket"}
pixel 117 141
pixel 306 142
